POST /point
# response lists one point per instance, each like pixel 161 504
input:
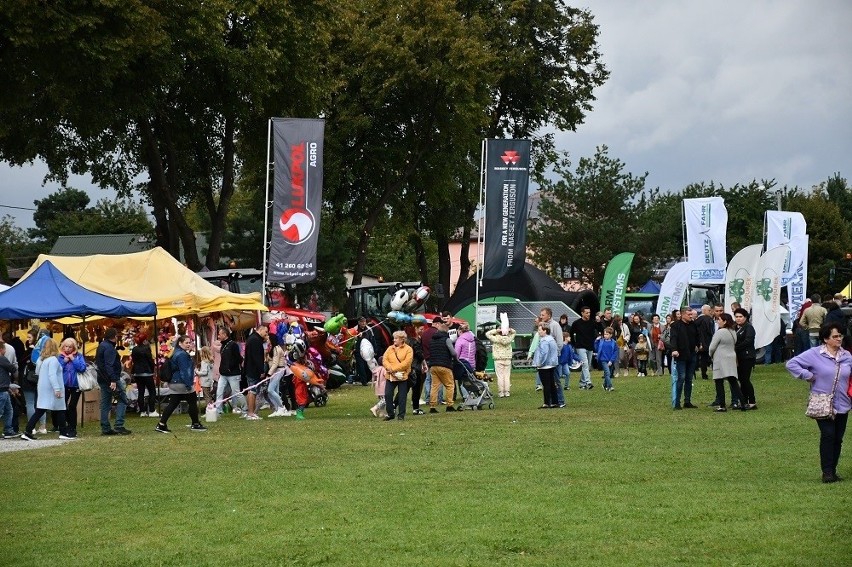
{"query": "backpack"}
pixel 666 337
pixel 166 370
pixel 481 355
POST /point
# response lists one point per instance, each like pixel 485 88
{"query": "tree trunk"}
pixel 218 213
pixel 443 267
pixel 162 181
pixel 419 256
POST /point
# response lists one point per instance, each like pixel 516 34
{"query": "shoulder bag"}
pixel 821 406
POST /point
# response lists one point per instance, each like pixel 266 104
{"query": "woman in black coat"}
pixel 745 358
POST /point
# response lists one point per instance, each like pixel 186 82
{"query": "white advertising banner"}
pixel 766 302
pixel 706 239
pixel 797 285
pixel 781 228
pixel 673 289
pixel 739 280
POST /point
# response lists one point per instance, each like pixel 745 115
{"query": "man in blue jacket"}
pixel 109 379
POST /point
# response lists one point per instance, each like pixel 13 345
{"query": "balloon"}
pixel 399 317
pixel 399 299
pixel 417 298
pixel 365 347
pixel 333 325
pixel 418 319
pixel 504 323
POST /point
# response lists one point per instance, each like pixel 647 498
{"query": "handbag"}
pixel 88 379
pixel 30 375
pixel 661 345
pixel 821 406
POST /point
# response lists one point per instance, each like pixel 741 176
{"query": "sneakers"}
pixel 375 410
pixel 300 413
pixel 538 388
pixel 253 417
pixel 277 413
pixel 123 431
pixel 143 414
pixel 561 406
pixel 451 408
pixel 41 431
pixel 238 411
pixel 388 418
pixel 109 432
pixel 422 402
pixel 689 405
pixel 28 436
pixel 153 414
pixel 162 428
pixel 68 437
pixel 197 427
pixel 433 410
pixel 721 409
pixel 418 411
pixel 12 435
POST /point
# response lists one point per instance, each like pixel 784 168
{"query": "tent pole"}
pixel 157 364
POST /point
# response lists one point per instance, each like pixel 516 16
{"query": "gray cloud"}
pixel 723 91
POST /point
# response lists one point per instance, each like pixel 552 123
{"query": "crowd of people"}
pixel 40 376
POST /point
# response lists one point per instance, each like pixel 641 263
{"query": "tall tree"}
pixel 171 90
pixel 587 216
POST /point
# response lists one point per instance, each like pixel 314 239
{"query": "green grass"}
pixel 613 479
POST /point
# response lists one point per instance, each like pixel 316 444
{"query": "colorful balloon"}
pixel 399 318
pixel 417 298
pixel 398 300
pixel 333 325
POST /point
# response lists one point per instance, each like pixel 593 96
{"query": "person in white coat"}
pixel 724 357
pixel 51 391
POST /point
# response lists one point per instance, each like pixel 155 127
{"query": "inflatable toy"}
pixel 333 325
pixel 400 297
pixel 418 297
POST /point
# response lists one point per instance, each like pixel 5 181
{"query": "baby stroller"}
pixel 478 392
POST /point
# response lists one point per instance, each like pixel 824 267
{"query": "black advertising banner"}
pixel 507 180
pixel 297 201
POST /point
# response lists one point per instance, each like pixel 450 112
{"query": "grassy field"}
pixel 613 479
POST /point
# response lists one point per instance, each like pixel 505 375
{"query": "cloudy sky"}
pixel 725 91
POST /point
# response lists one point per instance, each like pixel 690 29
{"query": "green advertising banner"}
pixel 615 283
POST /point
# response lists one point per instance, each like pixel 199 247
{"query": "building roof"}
pixel 90 244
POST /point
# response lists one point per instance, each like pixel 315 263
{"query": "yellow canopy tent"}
pixel 846 291
pixel 153 275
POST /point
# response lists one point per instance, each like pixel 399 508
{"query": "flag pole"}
pixel 266 206
pixel 480 235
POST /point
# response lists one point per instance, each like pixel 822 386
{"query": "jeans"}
pixel 389 397
pixel 415 383
pixel 683 371
pixel 744 369
pixel 6 412
pixel 39 413
pixel 831 433
pixel 30 398
pixel 586 360
pixel 107 396
pixel 607 375
pixel 234 381
pixel 548 386
pixel 427 386
pixel 557 383
pixel 814 340
pixel 72 396
pixel 191 399
pixel 565 370
pixel 273 393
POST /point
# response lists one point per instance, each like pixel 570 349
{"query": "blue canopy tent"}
pixel 650 287
pixel 48 294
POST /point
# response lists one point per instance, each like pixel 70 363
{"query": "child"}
pixel 642 350
pixel 607 352
pixel 205 373
pixel 567 357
